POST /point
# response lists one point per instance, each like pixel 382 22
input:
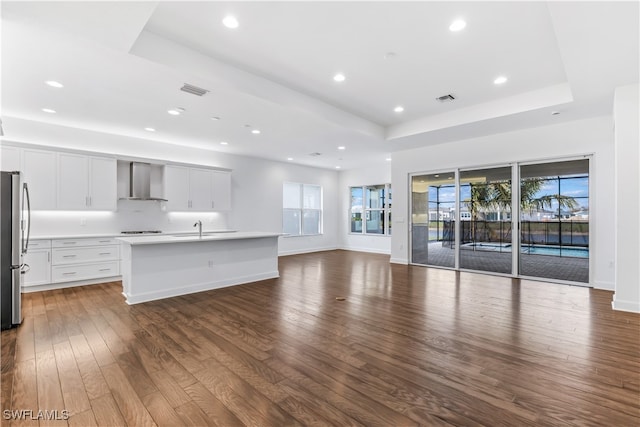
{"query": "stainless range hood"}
pixel 140 182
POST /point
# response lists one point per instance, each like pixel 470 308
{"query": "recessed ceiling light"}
pixel 49 110
pixel 54 83
pixel 255 131
pixel 499 80
pixel 399 109
pixel 224 143
pixel 176 111
pixel 289 158
pixel 150 129
pixel 342 147
pixel 230 21
pixel 339 77
pixel 388 159
pixel 215 118
pixel 450 177
pixel 337 167
pixel 457 25
pixel 437 176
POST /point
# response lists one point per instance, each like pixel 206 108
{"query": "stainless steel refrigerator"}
pixel 15 224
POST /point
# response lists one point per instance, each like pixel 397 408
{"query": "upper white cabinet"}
pixel 176 188
pixel 221 185
pixel 200 189
pixel 195 189
pixel 10 158
pixel 86 183
pixel 39 173
pixel 103 188
pixel 73 181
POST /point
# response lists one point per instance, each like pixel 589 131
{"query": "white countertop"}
pixel 207 236
pixel 89 236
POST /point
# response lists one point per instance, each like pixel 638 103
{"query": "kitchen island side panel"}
pixel 156 271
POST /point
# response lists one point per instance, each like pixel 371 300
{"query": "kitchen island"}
pixel 159 266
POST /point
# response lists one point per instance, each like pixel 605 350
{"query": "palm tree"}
pixel 497 195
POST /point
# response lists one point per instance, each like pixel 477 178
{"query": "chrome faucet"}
pixel 199 225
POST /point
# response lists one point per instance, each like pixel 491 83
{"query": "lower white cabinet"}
pixel 83 259
pixel 38 258
pixel 69 273
pixel 70 260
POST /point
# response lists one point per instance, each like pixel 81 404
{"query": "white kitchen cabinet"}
pixel 196 189
pixel 38 258
pixel 86 183
pixel 200 189
pixel 103 181
pixel 221 190
pixel 176 188
pixel 83 259
pixel 10 158
pixel 39 173
pixel 73 181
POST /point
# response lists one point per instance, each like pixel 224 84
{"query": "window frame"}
pixel 385 211
pixel 302 210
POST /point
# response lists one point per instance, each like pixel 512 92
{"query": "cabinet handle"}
pixel 90 201
pixel 104 241
pixel 48 256
pixel 104 253
pixel 69 274
pixel 69 243
pixel 68 256
pixel 105 269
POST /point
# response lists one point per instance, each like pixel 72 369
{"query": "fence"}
pixel 557 233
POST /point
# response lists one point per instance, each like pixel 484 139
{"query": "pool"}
pixel 575 252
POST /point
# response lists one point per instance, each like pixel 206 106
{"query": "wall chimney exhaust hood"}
pixel 140 182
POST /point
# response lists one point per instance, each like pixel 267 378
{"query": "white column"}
pixel 627 199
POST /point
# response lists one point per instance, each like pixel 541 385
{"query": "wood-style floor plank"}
pixel 407 346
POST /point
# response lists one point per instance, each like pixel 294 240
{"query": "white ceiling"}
pixel 122 64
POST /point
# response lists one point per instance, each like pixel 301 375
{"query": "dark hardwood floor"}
pixel 408 346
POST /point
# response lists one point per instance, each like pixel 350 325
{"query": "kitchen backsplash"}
pixel 131 215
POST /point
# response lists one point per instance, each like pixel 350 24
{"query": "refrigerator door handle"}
pixel 25 243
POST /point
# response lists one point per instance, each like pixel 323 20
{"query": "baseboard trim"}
pixel 621 305
pixel 399 261
pixel 200 287
pixel 63 285
pixel 307 251
pixel 367 250
pixel 605 286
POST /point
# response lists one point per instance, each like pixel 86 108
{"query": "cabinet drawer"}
pixel 84 254
pixel 70 273
pixel 93 241
pixel 39 244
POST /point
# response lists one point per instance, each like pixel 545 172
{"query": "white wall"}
pixel 256 189
pixel 353 178
pixel 627 189
pixel 591 136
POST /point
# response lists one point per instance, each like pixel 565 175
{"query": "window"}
pixel 370 211
pixel 301 209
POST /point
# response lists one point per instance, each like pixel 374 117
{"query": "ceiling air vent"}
pixel 315 154
pixel 194 90
pixel 445 98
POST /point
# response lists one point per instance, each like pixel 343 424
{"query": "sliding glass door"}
pixel 433 219
pixel 554 220
pixel 485 227
pixel 551 203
